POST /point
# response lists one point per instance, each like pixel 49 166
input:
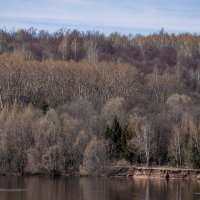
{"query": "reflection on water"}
pixel 64 188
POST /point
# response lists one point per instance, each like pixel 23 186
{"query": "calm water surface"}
pixel 48 188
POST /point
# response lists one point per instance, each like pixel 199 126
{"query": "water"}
pixel 64 188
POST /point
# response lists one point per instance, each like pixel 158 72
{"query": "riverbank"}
pixel 128 171
pixel 166 173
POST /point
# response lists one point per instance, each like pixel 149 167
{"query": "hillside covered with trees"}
pixel 76 102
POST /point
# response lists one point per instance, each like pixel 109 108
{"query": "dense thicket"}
pixel 77 102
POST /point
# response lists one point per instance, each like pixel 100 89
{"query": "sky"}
pixel 123 16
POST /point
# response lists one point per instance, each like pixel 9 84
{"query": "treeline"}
pixel 158 49
pixel 83 115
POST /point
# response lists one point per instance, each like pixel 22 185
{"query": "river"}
pixel 65 188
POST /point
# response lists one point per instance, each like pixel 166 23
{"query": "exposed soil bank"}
pixel 166 173
pixel 142 172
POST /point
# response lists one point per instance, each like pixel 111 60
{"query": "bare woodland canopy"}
pixel 71 100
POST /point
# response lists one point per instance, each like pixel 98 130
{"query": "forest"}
pixel 76 102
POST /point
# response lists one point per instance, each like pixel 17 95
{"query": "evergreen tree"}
pixel 196 158
pixel 114 135
pixel 188 150
pixel 117 137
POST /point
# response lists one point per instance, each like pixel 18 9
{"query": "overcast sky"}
pixel 124 16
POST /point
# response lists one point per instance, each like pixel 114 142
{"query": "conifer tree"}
pixel 117 137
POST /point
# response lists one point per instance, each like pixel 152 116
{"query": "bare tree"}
pixel 95 159
pixel 143 138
